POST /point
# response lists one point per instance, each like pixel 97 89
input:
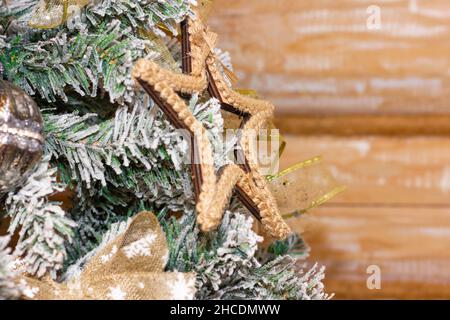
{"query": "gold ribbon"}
pixel 130 267
pixel 53 13
pixel 204 8
pixel 303 186
pixel 248 92
pixel 157 46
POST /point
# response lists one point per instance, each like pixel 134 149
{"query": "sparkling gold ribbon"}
pixel 53 13
pixel 303 186
pixel 130 267
pixel 157 46
pixel 247 92
pixel 204 8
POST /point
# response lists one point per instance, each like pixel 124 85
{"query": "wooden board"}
pixel 381 171
pixel 354 125
pixel 319 61
pixel 409 245
pixel 320 57
pixel 395 214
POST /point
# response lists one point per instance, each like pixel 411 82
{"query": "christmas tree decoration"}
pixel 21 139
pixel 130 267
pixel 303 186
pixel 230 264
pixel 52 13
pixel 201 73
pixel 204 8
pixel 43 226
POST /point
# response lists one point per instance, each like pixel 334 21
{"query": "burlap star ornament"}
pixel 200 73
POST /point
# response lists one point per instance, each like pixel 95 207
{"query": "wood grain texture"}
pixel 320 57
pixel 409 245
pixel 382 171
pixel 357 125
pixel 395 214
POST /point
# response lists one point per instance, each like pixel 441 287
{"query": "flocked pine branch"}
pixel 98 51
pixel 150 14
pixel 115 229
pixel 209 114
pixel 107 151
pixel 79 63
pixel 183 241
pixel 293 245
pixel 9 288
pixel 230 269
pixel 43 224
pixel 135 150
pixel 115 163
pixel 228 266
pixel 3 43
pixel 16 8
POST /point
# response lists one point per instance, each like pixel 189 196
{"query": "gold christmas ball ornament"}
pixel 21 139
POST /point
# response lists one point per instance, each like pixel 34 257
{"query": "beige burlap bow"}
pixel 130 267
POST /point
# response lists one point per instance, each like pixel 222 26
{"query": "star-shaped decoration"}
pixel 213 190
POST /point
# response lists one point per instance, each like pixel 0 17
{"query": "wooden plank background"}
pixel 376 105
pixel 395 214
pixel 320 57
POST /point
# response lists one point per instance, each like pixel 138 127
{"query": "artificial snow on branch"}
pixel 136 138
pixel 10 8
pixel 9 288
pixel 107 151
pixel 44 226
pixel 99 51
pixel 136 155
pixel 51 67
pixel 151 14
pixel 230 266
pixel 3 43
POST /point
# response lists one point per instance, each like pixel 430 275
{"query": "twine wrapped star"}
pixel 130 267
pixel 201 72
